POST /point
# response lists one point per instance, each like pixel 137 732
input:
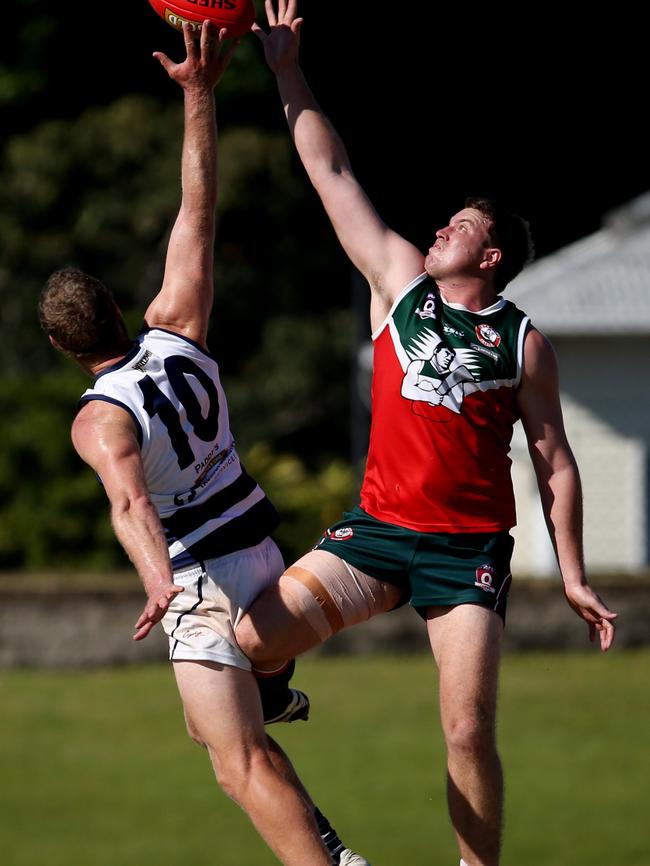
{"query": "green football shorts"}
pixel 436 568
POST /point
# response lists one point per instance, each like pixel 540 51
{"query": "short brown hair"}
pixel 80 314
pixel 511 234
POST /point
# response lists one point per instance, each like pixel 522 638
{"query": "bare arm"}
pixel 558 481
pixel 385 259
pixel 104 436
pixel 184 302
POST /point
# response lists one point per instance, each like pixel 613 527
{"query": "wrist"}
pixel 153 585
pixel 573 580
pixel 288 69
pixel 198 90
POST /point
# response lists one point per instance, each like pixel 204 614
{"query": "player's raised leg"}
pixel 315 598
pixel 466 642
pixel 223 713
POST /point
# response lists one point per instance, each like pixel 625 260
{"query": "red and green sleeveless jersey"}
pixel 444 407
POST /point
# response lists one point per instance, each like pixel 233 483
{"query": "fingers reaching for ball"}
pixel 282 43
pixel 285 15
pixel 205 61
pixel 189 37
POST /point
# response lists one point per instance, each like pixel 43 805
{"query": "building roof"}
pixel 598 285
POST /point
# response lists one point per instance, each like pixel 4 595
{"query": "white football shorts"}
pixel 201 620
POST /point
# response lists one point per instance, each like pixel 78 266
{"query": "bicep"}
pixel 184 302
pixel 539 405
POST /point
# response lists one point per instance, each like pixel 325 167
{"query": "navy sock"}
pixel 274 689
pixel 329 836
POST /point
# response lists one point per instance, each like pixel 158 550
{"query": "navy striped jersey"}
pixel 208 505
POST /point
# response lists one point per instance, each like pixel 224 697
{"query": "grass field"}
pixel 97 771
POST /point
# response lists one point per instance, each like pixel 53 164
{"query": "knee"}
pixel 231 783
pixel 470 736
pixel 193 733
pixel 237 773
pixel 249 640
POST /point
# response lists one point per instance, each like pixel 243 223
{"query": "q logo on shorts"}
pixel 485 575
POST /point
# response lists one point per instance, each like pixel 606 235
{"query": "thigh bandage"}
pixel 332 594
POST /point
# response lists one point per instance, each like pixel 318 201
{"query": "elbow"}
pixel 130 505
pixel 330 170
pixel 199 215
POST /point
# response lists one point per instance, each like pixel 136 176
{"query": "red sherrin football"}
pixel 237 15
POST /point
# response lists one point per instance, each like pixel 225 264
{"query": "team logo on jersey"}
pixel 342 534
pixel 487 335
pixel 428 310
pixel 485 575
pixel 436 376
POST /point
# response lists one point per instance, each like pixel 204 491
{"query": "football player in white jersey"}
pixel 154 427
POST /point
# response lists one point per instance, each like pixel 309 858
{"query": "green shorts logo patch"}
pixel 485 575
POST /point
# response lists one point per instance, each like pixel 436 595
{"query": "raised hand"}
pixel 205 62
pixel 282 42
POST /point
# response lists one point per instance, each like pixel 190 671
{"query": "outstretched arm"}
pixel 559 481
pixel 386 260
pixel 105 437
pixel 184 302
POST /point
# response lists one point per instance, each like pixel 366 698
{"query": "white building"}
pixel 592 299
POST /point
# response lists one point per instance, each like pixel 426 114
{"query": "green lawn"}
pixel 96 768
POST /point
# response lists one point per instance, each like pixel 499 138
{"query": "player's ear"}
pixel 491 258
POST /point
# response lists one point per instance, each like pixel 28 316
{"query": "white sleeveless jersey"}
pixel 207 503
